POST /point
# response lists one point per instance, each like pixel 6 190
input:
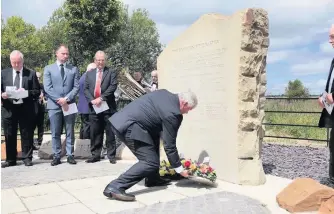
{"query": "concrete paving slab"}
pixel 65 209
pixel 108 206
pixel 10 202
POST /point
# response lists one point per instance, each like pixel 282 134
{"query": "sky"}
pixel 298 31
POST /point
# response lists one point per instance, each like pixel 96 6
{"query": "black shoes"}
pixel 112 161
pixel 70 160
pixel 27 162
pixel 8 164
pixel 117 194
pixel 55 162
pixel 157 182
pixel 93 160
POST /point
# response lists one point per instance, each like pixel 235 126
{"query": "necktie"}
pixel 17 80
pixel 97 91
pixel 62 71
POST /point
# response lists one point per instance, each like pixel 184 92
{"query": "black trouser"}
pixel 40 123
pixel 20 117
pixel 85 126
pixel 147 166
pixel 331 155
pixel 98 124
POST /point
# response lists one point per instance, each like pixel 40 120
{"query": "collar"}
pixel 58 63
pixel 20 70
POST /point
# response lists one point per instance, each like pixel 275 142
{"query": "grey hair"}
pixel 16 52
pixel 100 52
pixel 189 97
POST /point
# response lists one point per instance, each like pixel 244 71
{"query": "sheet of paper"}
pixel 103 107
pixel 72 109
pixel 328 107
pixel 21 94
pixel 15 94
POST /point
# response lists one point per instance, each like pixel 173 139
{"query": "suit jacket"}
pixel 83 106
pixel 147 116
pixel 38 105
pixel 326 120
pixel 108 87
pixel 55 87
pixel 29 83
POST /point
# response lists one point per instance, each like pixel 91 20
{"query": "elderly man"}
pixel 18 112
pixel 61 84
pixel 326 119
pixel 154 84
pixel 83 107
pixel 139 125
pixel 100 86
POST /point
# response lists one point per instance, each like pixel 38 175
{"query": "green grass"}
pixel 294 118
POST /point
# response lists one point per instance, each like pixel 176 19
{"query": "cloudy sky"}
pixel 299 45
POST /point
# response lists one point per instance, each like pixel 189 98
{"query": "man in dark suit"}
pixel 139 125
pixel 100 85
pixel 326 119
pixel 40 111
pixel 18 111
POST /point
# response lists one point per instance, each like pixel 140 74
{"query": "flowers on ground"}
pixel 203 170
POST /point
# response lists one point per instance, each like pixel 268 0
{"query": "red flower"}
pixel 187 163
pixel 210 169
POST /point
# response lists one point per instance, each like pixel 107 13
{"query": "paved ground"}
pixel 78 189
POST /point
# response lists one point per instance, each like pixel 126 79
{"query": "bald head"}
pixel 331 35
pixel 100 59
pixel 91 66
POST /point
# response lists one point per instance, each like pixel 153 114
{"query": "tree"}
pixel 18 35
pixel 92 25
pixel 296 89
pixel 138 46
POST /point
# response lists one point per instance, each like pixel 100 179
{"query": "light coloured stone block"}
pixel 68 208
pixel 124 153
pixel 82 148
pixel 45 150
pixel 10 202
pixel 223 60
pixel 38 190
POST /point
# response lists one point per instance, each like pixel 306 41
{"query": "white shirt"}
pixel 58 63
pixel 97 76
pixel 20 101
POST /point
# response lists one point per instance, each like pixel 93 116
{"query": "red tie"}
pixel 97 91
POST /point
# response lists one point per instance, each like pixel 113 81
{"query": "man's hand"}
pixel 4 95
pixel 185 173
pixel 61 101
pixel 21 89
pixel 329 98
pixel 97 102
pixel 321 104
pixel 65 107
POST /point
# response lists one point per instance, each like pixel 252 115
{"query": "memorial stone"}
pixel 223 60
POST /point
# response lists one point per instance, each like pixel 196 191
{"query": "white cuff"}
pixel 179 169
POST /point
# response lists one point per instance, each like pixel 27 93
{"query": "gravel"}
pixel 296 161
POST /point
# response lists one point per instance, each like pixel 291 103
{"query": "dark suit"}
pixel 139 125
pixel 39 120
pixel 99 122
pixel 327 121
pixel 19 114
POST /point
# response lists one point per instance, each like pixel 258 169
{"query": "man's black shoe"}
pixel 157 182
pixel 27 162
pixel 8 164
pixel 92 160
pixel 112 161
pixel 117 194
pixel 70 160
pixel 55 161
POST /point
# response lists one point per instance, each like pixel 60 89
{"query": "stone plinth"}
pixel 223 60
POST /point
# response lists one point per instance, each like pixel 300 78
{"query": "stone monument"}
pixel 223 60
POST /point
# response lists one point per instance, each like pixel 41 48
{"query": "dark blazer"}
pixel 326 120
pixel 147 116
pixel 108 87
pixel 29 83
pixel 83 106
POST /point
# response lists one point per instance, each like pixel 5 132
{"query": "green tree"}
pixel 92 25
pixel 18 35
pixel 138 46
pixel 296 89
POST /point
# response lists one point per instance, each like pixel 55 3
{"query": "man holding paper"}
pixel 327 116
pixel 61 84
pixel 19 89
pixel 100 85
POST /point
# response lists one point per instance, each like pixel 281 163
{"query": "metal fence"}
pixel 122 103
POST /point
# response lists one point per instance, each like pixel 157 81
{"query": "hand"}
pixel 4 95
pixel 185 173
pixel 97 102
pixel 329 98
pixel 21 89
pixel 65 107
pixel 321 104
pixel 61 101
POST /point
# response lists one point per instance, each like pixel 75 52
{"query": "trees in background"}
pixel 130 39
pixel 296 89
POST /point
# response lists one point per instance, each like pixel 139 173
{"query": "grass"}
pixel 294 118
